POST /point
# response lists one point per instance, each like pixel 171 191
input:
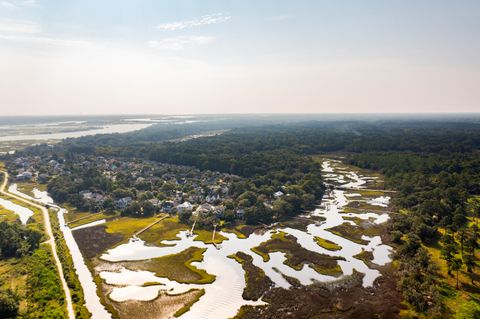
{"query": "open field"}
pixel 167 229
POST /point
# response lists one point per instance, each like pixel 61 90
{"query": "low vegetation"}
pixel 354 232
pixel 327 244
pixel 167 229
pixel 297 256
pixel 177 267
pixel 257 282
pixel 189 304
pixel 45 297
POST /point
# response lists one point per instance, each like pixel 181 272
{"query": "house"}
pixel 212 198
pixel 185 207
pixel 219 211
pixel 123 203
pixel 239 212
pixel 167 206
pixel 205 209
pixel 155 202
pixel 278 194
pixel 25 176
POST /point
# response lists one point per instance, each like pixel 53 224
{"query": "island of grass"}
pixel 327 244
pixel 354 233
pixel 242 231
pixel 257 282
pixel 186 307
pixel 177 267
pixel 365 256
pixel 297 256
pixel 205 236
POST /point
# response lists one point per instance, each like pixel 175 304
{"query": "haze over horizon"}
pixel 192 57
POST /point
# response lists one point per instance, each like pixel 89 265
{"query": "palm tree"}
pixel 462 237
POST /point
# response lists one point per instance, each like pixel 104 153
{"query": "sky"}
pixel 244 56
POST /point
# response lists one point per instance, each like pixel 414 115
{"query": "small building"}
pixel 25 176
pixel 155 202
pixel 123 203
pixel 167 206
pixel 240 212
pixel 185 207
pixel 278 194
pixel 205 208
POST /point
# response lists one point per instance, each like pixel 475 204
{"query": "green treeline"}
pixel 43 291
pixel 17 241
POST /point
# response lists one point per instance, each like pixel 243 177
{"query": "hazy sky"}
pixel 225 56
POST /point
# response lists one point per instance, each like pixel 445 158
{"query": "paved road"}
pixel 51 241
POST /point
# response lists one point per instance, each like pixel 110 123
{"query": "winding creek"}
pixel 223 297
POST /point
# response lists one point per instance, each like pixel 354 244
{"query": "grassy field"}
pixel 7 215
pixel 128 226
pixel 167 229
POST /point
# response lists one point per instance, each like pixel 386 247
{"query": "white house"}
pixel 185 207
pixel 278 194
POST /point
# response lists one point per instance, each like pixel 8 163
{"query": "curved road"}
pixel 51 241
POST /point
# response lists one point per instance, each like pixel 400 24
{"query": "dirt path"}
pixel 51 241
pixel 150 226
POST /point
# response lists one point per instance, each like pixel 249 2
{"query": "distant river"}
pixel 107 129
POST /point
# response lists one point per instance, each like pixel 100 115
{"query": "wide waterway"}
pixel 107 129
